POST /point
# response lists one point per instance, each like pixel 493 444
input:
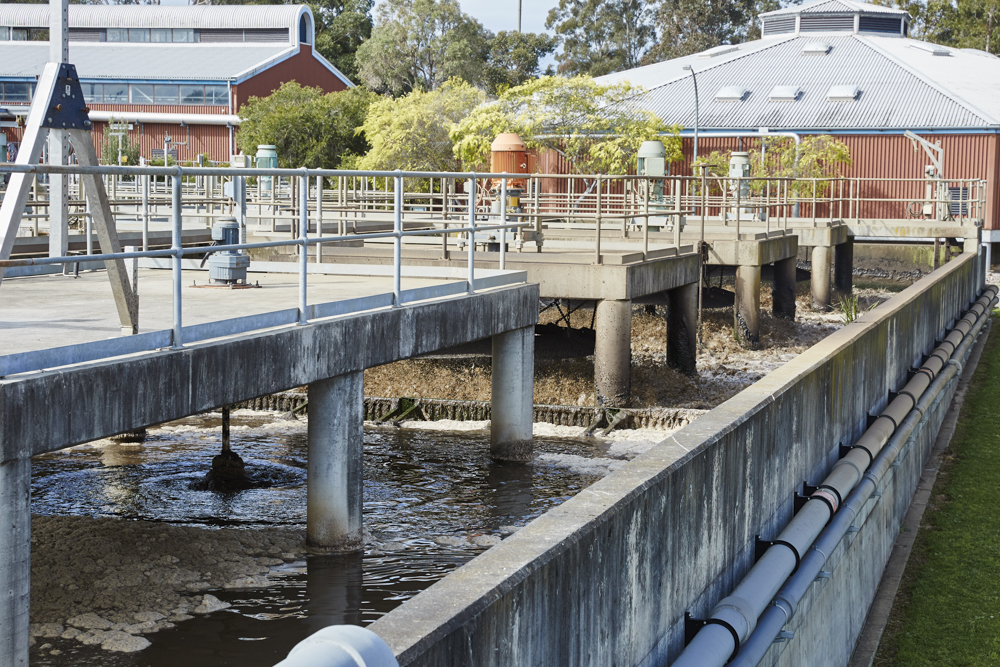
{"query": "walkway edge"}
pixel 878 615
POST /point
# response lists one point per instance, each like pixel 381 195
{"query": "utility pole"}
pixel 519 16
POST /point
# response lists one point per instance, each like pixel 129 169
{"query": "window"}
pixel 165 94
pixel 182 35
pixel 115 93
pixel 731 94
pixel 117 35
pixel 19 34
pixel 192 94
pixel 304 29
pixel 160 35
pixel 785 93
pixel 216 96
pixel 141 94
pixel 16 92
pixel 843 93
pixel 93 93
pixel 816 49
pixel 39 34
pixel 4 34
pixel 138 34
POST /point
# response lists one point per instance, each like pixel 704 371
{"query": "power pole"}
pixel 519 15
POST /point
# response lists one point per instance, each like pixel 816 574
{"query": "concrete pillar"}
pixel 783 289
pixel 843 266
pixel 334 494
pixel 613 353
pixel 746 310
pixel 682 328
pixel 821 277
pixel 15 561
pixel 512 395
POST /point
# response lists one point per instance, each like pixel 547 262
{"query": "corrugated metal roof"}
pixel 900 87
pixel 836 7
pixel 171 62
pixel 157 16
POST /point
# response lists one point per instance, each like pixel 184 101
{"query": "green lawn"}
pixel 948 609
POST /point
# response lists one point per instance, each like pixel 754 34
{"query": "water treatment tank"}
pixel 508 154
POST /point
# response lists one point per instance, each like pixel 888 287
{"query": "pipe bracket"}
pixel 761 546
pixel 845 449
pixel 693 625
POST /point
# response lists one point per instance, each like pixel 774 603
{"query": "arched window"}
pixel 304 29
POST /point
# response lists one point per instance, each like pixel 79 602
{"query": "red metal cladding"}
pixel 302 67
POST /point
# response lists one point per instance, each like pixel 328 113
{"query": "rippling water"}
pixel 418 485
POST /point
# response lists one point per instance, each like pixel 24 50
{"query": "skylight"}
pixel 843 93
pixel 731 94
pixel 933 49
pixel 785 93
pixel 816 48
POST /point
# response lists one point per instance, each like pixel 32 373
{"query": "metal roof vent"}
pixel 845 93
pixel 933 49
pixel 785 93
pixel 719 50
pixel 816 49
pixel 731 94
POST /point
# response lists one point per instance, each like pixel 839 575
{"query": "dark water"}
pixel 418 485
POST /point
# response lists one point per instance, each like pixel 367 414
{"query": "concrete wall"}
pixel 606 577
pixel 108 397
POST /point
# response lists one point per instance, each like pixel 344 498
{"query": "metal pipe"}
pixel 178 253
pixel 737 614
pixel 784 605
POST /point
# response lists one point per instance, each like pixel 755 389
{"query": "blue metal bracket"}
pixel 67 109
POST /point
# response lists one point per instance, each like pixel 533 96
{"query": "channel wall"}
pixel 606 577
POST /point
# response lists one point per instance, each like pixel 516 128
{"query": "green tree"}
pixel 593 126
pixel 412 132
pixel 342 26
pixel 689 26
pixel 513 59
pixel 601 36
pixel 420 44
pixel 309 128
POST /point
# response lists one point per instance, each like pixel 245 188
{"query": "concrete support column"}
pixel 821 277
pixel 15 561
pixel 746 310
pixel 682 328
pixel 334 494
pixel 783 289
pixel 512 395
pixel 613 353
pixel 843 266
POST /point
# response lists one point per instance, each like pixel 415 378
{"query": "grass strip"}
pixel 947 611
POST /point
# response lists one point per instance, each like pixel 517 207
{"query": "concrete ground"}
pixel 40 312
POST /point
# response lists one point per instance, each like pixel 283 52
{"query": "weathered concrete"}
pixel 752 248
pixel 820 278
pixel 335 472
pixel 124 394
pixel 843 267
pixel 682 328
pixel 606 577
pixel 746 310
pixel 783 289
pixel 613 353
pixel 511 401
pixel 15 561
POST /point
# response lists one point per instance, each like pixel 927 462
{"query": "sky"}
pixel 497 15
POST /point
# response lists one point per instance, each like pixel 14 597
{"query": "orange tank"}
pixel 509 156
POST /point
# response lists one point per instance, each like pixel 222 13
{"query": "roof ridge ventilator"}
pixel 933 49
pixel 816 48
pixel 785 93
pixel 719 50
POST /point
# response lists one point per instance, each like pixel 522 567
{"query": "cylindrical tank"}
pixel 508 154
pixel 267 158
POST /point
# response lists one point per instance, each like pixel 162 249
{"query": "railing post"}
pixel 145 212
pixel 645 215
pixel 597 247
pixel 472 234
pixel 739 197
pixel 814 202
pixel 397 240
pixel 303 244
pixel 677 208
pixel 503 221
pixel 319 217
pixel 176 246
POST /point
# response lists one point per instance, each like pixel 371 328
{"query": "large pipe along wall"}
pixel 743 625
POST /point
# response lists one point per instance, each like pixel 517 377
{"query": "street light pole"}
pixel 518 16
pixel 694 78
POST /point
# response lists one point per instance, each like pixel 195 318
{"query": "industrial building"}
pixel 182 71
pixel 846 69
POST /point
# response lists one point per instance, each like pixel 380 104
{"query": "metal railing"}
pixel 179 334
